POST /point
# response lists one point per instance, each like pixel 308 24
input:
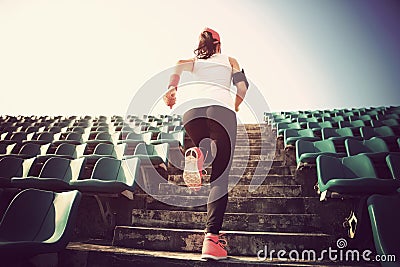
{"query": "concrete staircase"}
pixel 280 214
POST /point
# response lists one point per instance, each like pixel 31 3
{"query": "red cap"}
pixel 214 34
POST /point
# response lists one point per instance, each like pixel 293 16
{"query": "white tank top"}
pixel 212 82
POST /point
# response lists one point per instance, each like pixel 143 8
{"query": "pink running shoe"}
pixel 214 248
pixel 193 171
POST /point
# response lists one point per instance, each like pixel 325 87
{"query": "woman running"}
pixel 211 116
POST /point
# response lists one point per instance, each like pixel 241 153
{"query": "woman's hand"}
pixel 170 97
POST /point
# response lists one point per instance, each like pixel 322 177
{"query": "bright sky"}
pixel 91 56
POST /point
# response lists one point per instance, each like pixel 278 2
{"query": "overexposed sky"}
pixel 91 56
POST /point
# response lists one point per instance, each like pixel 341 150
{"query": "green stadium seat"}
pixel 338 136
pixel 171 138
pixel 37 222
pixel 307 152
pixel 11 167
pixel 292 135
pixel 156 154
pixel 393 162
pixel 110 176
pixel 55 175
pixel 353 175
pixel 281 126
pixel 385 223
pixel 390 122
pixel 385 133
pixel 373 145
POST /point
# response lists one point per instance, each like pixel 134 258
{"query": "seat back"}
pixel 373 145
pixel 106 169
pixel 390 122
pixel 179 136
pixel 128 171
pixel 41 216
pixel 75 136
pixel 19 136
pixel 104 149
pixel 46 136
pixel 56 168
pixel 329 168
pixel 324 146
pixel 66 150
pixel 383 131
pixel 367 132
pixel 393 162
pixel 359 166
pixel 161 150
pixel 11 167
pixel 30 149
pixel 385 225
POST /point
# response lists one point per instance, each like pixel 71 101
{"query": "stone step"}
pixel 239 243
pixel 254 150
pixel 266 205
pixel 245 170
pixel 255 142
pixel 237 162
pixel 92 254
pixel 235 191
pixel 232 221
pixel 270 179
pixel 238 156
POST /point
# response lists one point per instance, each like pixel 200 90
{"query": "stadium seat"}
pixel 393 162
pixel 282 126
pixel 292 135
pixel 338 136
pixel 55 175
pixel 28 150
pixel 373 145
pixel 13 167
pixel 37 222
pixel 170 138
pixel 110 176
pixel 307 152
pixel 390 122
pixel 385 133
pixel 156 154
pixel 353 125
pixel 385 223
pixel 353 176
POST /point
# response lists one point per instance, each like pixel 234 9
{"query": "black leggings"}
pixel 218 124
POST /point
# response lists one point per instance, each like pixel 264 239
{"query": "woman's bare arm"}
pixel 241 86
pixel 181 66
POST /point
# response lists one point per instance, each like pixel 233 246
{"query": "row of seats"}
pixel 372 113
pixel 42 158
pixel 356 155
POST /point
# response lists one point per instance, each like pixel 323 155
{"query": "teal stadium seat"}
pixel 393 162
pixel 37 222
pixel 373 145
pixel 281 126
pixel 292 135
pixel 156 154
pixel 353 175
pixel 55 175
pixel 307 152
pixel 110 176
pixel 171 138
pixel 385 133
pixel 385 221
